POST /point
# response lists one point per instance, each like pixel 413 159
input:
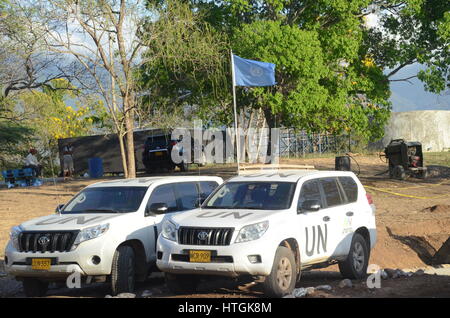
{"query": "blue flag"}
pixel 253 73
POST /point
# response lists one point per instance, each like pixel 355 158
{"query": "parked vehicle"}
pixel 271 225
pixel 107 232
pixel 157 153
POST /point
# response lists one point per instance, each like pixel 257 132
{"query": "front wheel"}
pixel 33 287
pixel 283 276
pixel 123 270
pixel 355 266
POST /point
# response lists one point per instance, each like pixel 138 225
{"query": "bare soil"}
pixel 413 222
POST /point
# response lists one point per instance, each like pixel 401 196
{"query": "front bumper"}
pixel 232 260
pixel 63 263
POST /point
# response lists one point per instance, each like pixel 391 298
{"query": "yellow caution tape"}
pixel 406 195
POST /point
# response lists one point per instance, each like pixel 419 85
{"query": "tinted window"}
pixel 188 194
pixel 310 191
pixel 107 199
pixel 350 187
pixel 331 190
pixel 253 195
pixel 207 187
pixel 164 194
pixel 157 141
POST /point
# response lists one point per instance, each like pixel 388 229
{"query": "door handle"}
pixel 349 213
pixel 326 218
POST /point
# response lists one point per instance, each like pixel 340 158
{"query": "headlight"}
pixel 14 236
pixel 252 232
pixel 90 233
pixel 169 231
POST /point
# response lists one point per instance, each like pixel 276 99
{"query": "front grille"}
pixel 213 236
pixel 60 241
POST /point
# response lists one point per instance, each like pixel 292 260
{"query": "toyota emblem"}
pixel 43 241
pixel 202 235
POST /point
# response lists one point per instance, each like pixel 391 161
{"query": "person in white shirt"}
pixel 32 162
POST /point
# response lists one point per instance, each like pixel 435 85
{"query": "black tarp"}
pixel 105 147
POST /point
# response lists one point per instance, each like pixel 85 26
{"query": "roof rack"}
pixel 254 168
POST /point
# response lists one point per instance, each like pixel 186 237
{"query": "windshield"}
pixel 106 200
pixel 252 195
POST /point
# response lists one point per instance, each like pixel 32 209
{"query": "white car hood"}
pixel 235 218
pixel 64 222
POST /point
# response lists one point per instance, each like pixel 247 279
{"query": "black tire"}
pixel 283 277
pixel 182 284
pixel 33 287
pixel 399 172
pixel 123 272
pixel 423 174
pixel 355 266
pixel 184 167
pixel 149 170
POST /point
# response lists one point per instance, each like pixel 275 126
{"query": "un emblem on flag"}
pixel 256 71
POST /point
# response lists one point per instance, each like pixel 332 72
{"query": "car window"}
pixel 106 199
pixel 252 195
pixel 187 193
pixel 350 188
pixel 310 191
pixel 331 191
pixel 164 194
pixel 207 187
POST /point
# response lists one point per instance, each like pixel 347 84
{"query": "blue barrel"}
pixel 95 167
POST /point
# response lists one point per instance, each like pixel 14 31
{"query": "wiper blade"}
pixel 217 207
pixel 101 210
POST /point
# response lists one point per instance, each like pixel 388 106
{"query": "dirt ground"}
pixel 413 222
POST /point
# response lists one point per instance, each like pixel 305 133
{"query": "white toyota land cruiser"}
pixel 108 232
pixel 272 226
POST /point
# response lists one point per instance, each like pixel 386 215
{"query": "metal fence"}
pixel 300 144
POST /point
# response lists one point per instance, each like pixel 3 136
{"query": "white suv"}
pixel 108 231
pixel 271 225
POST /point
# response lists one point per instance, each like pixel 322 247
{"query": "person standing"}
pixel 32 162
pixel 68 161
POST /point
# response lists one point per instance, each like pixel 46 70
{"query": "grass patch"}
pixel 437 158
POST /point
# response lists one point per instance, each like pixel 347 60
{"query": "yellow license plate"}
pixel 200 256
pixel 159 153
pixel 41 263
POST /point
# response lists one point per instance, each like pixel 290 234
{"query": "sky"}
pixel 409 96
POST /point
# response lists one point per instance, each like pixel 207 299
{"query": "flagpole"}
pixel 235 113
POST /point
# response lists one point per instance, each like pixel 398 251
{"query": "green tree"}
pixel 413 31
pixel 185 70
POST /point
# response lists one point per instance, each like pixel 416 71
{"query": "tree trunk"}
pixel 123 154
pixel 129 139
pixel 270 119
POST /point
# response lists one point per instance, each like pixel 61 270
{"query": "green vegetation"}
pixel 117 65
pixel 437 158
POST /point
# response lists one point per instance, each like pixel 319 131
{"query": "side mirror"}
pixel 159 208
pixel 59 208
pixel 309 205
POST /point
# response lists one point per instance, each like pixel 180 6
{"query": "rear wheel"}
pixel 182 284
pixel 33 287
pixel 123 270
pixel 399 172
pixel 184 167
pixel 355 266
pixel 283 276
